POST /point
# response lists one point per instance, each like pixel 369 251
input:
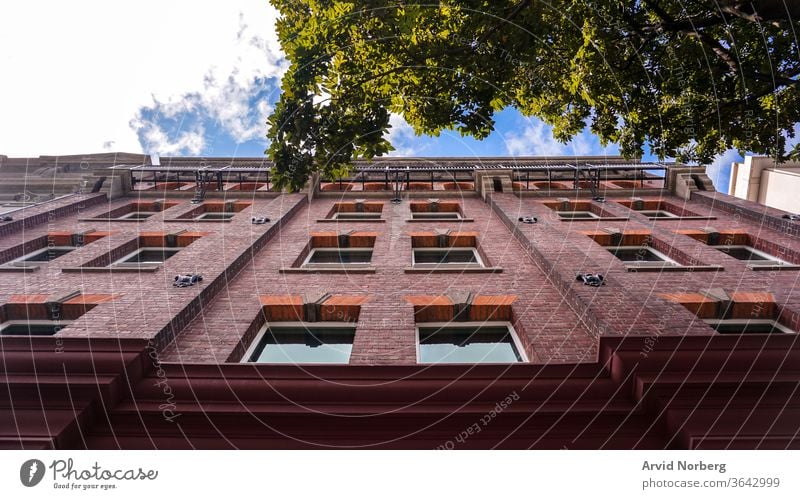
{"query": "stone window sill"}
pixel 329 270
pixel 443 220
pixel 674 268
pixel 355 220
pixel 114 270
pixel 773 267
pixel 449 269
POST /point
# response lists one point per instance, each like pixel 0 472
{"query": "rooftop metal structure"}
pixel 205 172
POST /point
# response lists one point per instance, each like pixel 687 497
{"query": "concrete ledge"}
pixel 355 220
pixel 191 220
pixel 453 269
pixel 676 268
pixel 341 270
pixel 698 217
pixel 112 270
pixel 450 221
pixel 129 220
pixel 600 219
pixel 14 268
pixel 405 195
pixel 773 267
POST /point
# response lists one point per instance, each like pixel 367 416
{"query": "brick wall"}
pixel 557 318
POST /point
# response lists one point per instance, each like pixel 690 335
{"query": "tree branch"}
pixel 514 12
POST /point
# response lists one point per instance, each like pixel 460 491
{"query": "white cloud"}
pixel 536 139
pixel 403 138
pixel 719 171
pixel 76 74
pixel 188 142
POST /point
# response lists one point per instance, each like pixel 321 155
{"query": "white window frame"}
pixel 22 261
pixel 310 265
pixel 356 215
pixel 296 325
pixel 205 216
pixel 771 260
pixel 123 263
pixel 773 322
pixel 478 263
pixel 592 216
pixel 435 215
pixel 455 325
pixel 663 214
pixel 135 212
pixel 643 263
pixel 61 323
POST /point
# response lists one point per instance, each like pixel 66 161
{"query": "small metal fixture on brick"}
pixel 260 220
pixel 186 280
pixel 528 220
pixel 6 218
pixel 792 216
pixel 595 280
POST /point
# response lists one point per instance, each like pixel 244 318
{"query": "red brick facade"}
pixel 593 347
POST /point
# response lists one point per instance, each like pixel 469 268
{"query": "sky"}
pixel 182 78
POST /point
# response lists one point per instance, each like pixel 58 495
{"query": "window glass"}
pixel 340 256
pixel 467 344
pixel 636 254
pixel 47 255
pixel 32 328
pixel 438 215
pixel 300 345
pixel 759 326
pixel 151 255
pixel 443 256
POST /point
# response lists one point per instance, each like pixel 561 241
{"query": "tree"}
pixel 682 78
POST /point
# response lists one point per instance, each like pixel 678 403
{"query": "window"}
pixel 751 255
pixel 435 215
pixel 446 256
pixel 215 216
pixel 641 255
pixel 749 326
pixel 577 215
pixel 468 343
pixel 336 257
pixel 44 255
pixel 297 343
pixel 137 215
pixel 32 328
pixel 658 214
pixel 356 215
pixel 147 256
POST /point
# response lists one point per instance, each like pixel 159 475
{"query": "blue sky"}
pixel 171 78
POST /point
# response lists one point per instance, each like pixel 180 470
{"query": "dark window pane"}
pixel 467 345
pixel 138 215
pixel 743 254
pixel 358 216
pixel 151 256
pixel 357 256
pixel 216 216
pixel 48 255
pixel 576 215
pixel 657 214
pixel 31 329
pixel 636 255
pixel 747 328
pixel 445 256
pixel 308 346
pixel 439 215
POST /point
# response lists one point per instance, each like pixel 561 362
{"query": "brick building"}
pixel 421 303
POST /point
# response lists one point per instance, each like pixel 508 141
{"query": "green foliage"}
pixel 686 79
